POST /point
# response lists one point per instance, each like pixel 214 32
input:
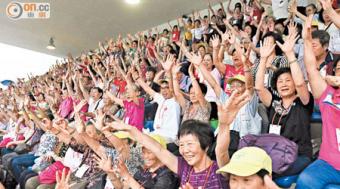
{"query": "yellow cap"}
pixel 159 139
pixel 248 161
pixel 315 23
pixel 122 135
pixel 238 77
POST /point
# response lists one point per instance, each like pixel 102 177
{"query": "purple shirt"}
pixel 214 180
pixel 134 113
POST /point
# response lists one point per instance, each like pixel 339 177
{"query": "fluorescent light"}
pixel 133 2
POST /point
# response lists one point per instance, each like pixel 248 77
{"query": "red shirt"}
pixel 175 35
pixel 231 71
pixel 120 84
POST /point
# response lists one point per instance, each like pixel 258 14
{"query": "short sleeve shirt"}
pixel 295 125
pixel 208 179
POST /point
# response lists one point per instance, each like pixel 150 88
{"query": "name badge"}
pixel 337 130
pixel 127 119
pixel 275 129
pixel 266 76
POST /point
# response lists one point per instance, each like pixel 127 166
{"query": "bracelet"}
pixel 247 70
pixel 293 61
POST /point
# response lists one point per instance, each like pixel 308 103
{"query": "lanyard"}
pixel 206 176
pixel 278 123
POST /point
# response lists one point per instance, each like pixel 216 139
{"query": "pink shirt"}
pixel 66 107
pixel 134 113
pixel 329 104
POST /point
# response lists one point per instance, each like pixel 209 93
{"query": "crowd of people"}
pixel 170 109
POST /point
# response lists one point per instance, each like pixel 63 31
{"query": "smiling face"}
pixel 249 182
pixel 317 47
pixel 310 10
pixel 150 160
pixel 237 59
pixel 193 96
pixel 285 85
pixel 95 94
pixel 208 62
pixel 190 149
pixel 238 85
pixel 132 92
pixel 165 90
pixel 149 75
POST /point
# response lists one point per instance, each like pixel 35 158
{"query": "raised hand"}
pixel 79 106
pixel 122 169
pixel 195 59
pixel 229 37
pixel 288 45
pixel 326 5
pixel 228 111
pixel 104 163
pixel 168 63
pixel 215 41
pixel 266 48
pixel 307 28
pixel 292 29
pixel 62 182
pixel 175 69
pixel 292 8
pixel 191 71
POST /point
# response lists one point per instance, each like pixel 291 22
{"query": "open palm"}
pixel 266 48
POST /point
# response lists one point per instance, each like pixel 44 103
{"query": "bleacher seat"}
pixel 286 181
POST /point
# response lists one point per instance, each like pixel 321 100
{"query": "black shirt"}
pixel 295 125
pixel 161 178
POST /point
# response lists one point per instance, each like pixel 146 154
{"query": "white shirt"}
pixel 197 33
pixel 280 8
pixel 334 41
pixel 210 96
pixel 248 120
pixel 93 106
pixel 167 117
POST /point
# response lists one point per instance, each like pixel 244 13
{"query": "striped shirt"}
pixel 278 62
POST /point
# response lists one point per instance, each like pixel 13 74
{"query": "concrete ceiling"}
pixel 78 25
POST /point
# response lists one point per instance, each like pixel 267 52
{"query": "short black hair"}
pixel 277 38
pixel 99 90
pixel 199 129
pixel 151 69
pixel 277 74
pixel 202 87
pixel 312 5
pixel 322 35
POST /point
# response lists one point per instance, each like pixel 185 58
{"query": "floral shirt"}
pixel 48 142
pixel 201 113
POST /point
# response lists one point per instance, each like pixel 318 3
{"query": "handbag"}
pixel 48 175
pixel 22 148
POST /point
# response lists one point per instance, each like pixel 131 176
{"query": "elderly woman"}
pixel 195 168
pixel 153 174
pixel 197 107
pixel 290 113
